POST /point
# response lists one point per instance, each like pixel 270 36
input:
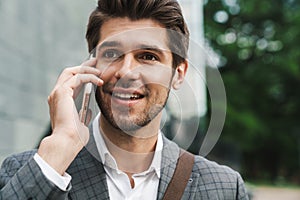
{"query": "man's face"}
pixel 137 72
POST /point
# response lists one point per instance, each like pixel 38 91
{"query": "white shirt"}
pixel 146 183
pixel 119 187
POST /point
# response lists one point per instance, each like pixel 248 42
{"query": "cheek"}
pixel 160 76
pixel 158 93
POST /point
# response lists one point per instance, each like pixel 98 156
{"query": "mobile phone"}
pixel 88 89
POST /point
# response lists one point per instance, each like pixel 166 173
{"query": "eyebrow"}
pixel 142 46
pixel 109 44
pixel 152 48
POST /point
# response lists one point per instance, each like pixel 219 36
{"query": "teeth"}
pixel 126 95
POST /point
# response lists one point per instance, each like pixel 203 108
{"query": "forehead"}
pixel 134 33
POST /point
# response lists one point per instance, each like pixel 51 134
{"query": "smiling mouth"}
pixel 127 96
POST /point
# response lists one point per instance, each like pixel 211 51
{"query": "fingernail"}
pixel 100 82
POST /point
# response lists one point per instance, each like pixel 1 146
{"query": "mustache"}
pixel 109 87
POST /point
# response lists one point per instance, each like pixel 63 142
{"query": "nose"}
pixel 126 68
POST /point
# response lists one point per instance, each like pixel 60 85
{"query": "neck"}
pixel 133 151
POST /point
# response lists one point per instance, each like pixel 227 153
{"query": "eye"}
pixel 111 54
pixel 148 57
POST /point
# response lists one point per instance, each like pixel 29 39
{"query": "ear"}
pixel 179 75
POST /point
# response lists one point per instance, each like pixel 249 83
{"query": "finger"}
pixel 72 71
pixel 79 79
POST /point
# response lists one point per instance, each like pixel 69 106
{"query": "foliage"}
pixel 258 45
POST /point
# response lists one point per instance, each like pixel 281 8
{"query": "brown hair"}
pixel 166 12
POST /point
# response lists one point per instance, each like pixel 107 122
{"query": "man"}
pixel 140 48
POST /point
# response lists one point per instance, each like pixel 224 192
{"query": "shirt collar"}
pixel 109 161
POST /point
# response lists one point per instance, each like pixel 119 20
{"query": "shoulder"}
pixel 207 167
pixel 219 180
pixel 211 171
pixel 12 164
pixel 23 156
pixel 16 161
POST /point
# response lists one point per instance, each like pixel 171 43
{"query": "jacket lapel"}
pixel 89 178
pixel 170 155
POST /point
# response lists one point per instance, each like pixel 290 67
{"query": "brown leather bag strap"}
pixel 181 176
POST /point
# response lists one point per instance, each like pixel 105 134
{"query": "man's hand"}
pixel 69 135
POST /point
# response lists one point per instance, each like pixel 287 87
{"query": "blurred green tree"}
pixel 257 43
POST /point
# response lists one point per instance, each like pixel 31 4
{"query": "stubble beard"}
pixel 121 119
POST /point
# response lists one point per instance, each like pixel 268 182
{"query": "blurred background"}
pixel 253 44
pixel 257 45
pixel 38 39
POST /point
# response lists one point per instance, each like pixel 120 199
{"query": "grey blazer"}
pixel 21 178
